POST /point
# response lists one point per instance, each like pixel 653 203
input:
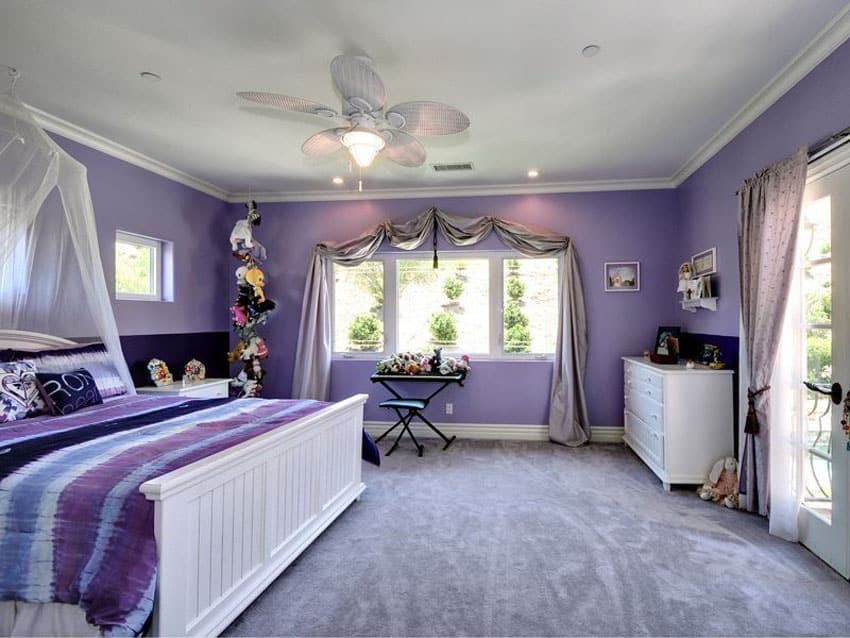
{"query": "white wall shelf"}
pixel 691 305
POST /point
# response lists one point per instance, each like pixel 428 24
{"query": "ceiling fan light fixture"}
pixel 363 145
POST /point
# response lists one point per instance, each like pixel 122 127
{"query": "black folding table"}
pixel 413 405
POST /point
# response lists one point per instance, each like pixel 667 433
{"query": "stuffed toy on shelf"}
pixel 252 308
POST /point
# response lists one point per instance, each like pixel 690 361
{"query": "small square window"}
pixel 138 267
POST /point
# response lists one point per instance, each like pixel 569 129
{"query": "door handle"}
pixel 834 391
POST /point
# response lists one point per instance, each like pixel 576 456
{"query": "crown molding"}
pixel 828 40
pixel 456 191
pixel 119 151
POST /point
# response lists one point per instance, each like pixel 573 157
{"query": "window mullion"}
pixel 390 303
pixel 496 306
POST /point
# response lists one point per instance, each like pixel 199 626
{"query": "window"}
pixel 530 305
pixel 359 307
pixel 493 305
pixel 138 267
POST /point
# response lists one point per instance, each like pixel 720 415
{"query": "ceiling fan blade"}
pixel 404 149
pixel 322 143
pixel 288 103
pixel 360 86
pixel 427 118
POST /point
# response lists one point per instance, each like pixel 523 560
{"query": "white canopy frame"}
pixel 51 273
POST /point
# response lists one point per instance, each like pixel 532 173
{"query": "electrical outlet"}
pixel 450 408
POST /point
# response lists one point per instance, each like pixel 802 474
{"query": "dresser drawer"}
pixel 646 383
pixel 219 390
pixel 646 439
pixel 646 409
pixel 204 389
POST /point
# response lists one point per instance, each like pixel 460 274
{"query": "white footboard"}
pixel 227 525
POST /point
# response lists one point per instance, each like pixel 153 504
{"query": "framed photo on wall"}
pixel 704 263
pixel 622 276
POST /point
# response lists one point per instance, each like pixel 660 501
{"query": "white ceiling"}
pixel 670 76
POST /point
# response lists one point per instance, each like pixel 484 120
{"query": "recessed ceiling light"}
pixel 150 76
pixel 532 173
pixel 590 50
pixel 338 180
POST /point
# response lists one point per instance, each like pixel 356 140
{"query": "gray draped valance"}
pixel 568 422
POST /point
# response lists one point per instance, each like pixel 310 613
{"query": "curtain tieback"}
pixel 752 424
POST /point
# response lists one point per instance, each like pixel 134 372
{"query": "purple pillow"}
pixel 93 357
pixel 66 392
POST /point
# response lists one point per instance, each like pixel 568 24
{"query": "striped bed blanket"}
pixel 74 527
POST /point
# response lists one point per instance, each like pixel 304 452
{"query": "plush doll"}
pixel 256 348
pixel 256 279
pixel 159 373
pixel 722 484
pixel 251 388
pixel 412 367
pixel 254 370
pixel 239 316
pixel 239 380
pixel 240 275
pixel 253 213
pixel 236 353
pixel 241 237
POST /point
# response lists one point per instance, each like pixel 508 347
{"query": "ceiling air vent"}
pixel 444 168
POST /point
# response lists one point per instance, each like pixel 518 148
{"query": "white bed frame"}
pixel 226 526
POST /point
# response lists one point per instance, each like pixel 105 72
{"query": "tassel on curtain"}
pixel 568 422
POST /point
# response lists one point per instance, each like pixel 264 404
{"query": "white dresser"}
pixel 678 421
pixel 204 389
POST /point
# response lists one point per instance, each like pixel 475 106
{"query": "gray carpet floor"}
pixel 533 539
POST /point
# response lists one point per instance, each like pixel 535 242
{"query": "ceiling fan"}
pixel 370 128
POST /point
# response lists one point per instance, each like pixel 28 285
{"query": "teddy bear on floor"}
pixel 722 484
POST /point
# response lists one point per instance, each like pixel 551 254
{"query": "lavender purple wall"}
pixel 133 199
pixel 606 226
pixel 814 108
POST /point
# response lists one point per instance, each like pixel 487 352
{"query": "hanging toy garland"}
pixel 251 308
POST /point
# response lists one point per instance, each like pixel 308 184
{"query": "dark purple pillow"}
pixel 66 392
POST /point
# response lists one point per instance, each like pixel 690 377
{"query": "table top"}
pixel 421 378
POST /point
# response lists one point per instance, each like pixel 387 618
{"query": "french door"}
pixel 823 306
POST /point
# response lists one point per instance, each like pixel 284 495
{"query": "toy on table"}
pixel 159 373
pixel 194 370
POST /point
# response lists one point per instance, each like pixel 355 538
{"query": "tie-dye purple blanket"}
pixel 74 527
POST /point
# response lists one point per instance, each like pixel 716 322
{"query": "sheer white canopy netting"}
pixel 51 275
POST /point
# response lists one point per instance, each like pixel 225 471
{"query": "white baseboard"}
pixel 606 434
pixel 498 431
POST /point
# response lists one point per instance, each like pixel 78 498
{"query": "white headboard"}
pixel 21 340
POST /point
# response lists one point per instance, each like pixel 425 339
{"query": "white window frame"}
pixel 156 266
pixel 496 260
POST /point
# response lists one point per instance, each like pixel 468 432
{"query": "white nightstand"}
pixel 206 389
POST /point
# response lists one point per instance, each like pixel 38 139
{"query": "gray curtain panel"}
pixel 769 206
pixel 568 422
